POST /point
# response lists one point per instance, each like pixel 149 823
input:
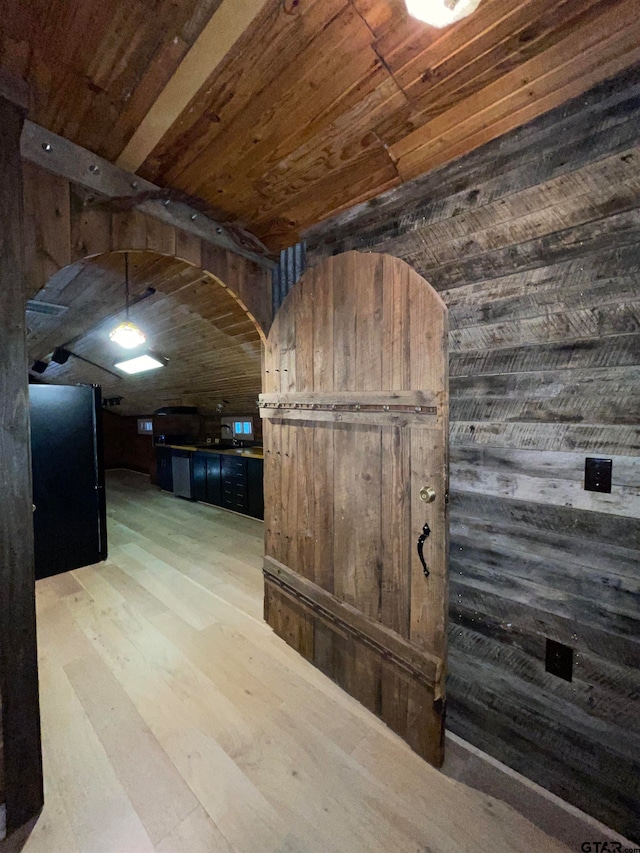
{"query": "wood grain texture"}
pixel 94 78
pixel 208 315
pixel 595 126
pixel 217 38
pixel 65 224
pixel 159 736
pixel 311 107
pixel 322 133
pixel 533 243
pixel 344 514
pixel 20 750
pixel 424 667
pixel 408 99
pixel 213 347
pixel 121 190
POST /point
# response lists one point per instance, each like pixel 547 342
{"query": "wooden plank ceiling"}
pixel 320 104
pixel 213 348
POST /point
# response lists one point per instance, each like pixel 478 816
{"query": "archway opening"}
pixel 210 345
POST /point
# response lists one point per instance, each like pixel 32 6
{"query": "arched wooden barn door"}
pixel 356 419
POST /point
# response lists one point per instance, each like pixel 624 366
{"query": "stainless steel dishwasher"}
pixel 181 467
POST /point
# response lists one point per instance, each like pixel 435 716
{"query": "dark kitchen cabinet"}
pixel 199 477
pixel 234 483
pixel 229 481
pixel 164 459
pixel 255 488
pixel 206 478
pixel 214 486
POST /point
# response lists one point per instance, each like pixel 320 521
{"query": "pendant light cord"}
pixel 126 282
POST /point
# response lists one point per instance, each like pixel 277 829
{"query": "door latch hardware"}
pixel 427 494
pixel 421 540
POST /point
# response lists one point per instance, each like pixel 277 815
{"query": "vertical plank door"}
pixel 355 409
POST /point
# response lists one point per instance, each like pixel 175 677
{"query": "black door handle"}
pixel 421 540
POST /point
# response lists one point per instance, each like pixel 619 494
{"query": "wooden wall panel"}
pixel 20 759
pixel 125 447
pixel 317 105
pixel 208 314
pixel 534 244
pixel 65 225
pixel 338 101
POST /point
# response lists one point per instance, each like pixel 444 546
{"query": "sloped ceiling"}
pixel 316 106
pixel 320 104
pixel 213 348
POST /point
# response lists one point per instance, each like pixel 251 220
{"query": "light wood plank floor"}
pixel 175 721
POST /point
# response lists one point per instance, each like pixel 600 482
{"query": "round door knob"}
pixel 427 494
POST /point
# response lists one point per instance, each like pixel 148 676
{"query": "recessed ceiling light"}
pixel 140 363
pixel 441 13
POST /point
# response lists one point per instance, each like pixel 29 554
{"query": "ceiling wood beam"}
pixel 79 166
pixel 227 24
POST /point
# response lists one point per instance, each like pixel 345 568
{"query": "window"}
pixel 243 428
pixel 145 426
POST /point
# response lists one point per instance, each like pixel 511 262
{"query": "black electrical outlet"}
pixel 597 474
pixel 559 660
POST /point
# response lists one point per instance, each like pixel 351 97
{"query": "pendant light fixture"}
pixel 127 335
pixel 441 13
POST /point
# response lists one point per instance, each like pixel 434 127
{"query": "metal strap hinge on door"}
pixel 346 627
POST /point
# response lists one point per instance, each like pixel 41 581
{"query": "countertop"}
pixel 246 452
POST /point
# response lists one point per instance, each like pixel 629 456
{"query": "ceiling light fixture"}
pixel 441 13
pixel 126 334
pixel 140 363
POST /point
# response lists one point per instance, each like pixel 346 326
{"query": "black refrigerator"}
pixel 69 519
